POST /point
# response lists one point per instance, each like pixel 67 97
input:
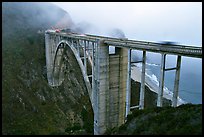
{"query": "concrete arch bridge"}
pixel 108 84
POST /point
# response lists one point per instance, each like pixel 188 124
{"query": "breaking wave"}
pixel 153 82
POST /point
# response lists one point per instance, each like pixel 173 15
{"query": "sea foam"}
pixel 153 83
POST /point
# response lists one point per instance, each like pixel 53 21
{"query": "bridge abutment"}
pixel 49 49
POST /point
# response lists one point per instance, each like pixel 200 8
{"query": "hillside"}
pixel 183 120
pixel 29 104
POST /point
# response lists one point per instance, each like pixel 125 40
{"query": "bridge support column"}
pixel 48 58
pixel 161 82
pixel 176 82
pixel 120 81
pixel 109 87
pixel 100 87
pixel 142 89
pixel 85 62
pixel 78 47
pixel 128 92
pixel 50 47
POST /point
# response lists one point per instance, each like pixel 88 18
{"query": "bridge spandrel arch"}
pixel 109 72
pixel 57 65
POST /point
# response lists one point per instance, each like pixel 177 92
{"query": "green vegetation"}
pixel 183 120
pixel 29 104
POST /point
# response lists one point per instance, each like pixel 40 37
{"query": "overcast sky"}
pixel 157 21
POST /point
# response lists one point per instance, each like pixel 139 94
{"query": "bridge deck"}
pixel 181 50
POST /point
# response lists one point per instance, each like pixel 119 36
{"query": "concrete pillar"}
pixel 85 63
pixel 95 88
pixel 161 81
pixel 123 84
pixel 128 92
pixel 93 73
pixel 101 87
pixel 142 89
pixel 50 47
pixel 48 60
pixel 176 82
pixel 117 87
pixel 78 47
pixel 109 87
pixel 57 63
pixel 89 53
pixel 114 89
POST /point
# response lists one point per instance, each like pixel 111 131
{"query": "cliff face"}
pixel 150 100
pixel 29 104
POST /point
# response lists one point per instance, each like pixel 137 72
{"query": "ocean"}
pixel 190 84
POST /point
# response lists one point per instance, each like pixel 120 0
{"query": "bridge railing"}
pixel 183 50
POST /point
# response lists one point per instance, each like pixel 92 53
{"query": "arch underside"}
pixel 59 64
pixel 107 93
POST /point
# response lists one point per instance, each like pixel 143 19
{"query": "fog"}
pixel 31 16
pixel 150 21
pixel 154 21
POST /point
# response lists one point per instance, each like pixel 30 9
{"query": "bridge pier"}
pixel 176 82
pixel 109 87
pixel 161 81
pixel 48 57
pixel 128 92
pixel 142 89
pixel 122 84
pixel 51 42
pixel 85 62
pixel 100 86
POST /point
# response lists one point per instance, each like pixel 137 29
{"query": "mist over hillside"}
pixel 29 104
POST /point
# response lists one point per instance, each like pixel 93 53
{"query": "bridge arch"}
pixel 59 65
pixel 111 74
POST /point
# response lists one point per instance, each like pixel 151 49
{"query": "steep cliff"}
pixel 29 104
